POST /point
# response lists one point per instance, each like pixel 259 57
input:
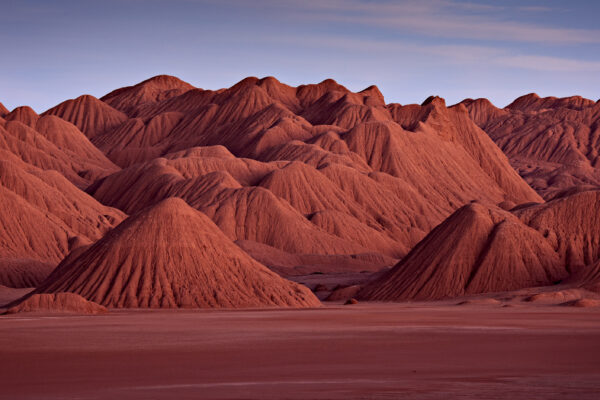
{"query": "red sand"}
pixel 363 351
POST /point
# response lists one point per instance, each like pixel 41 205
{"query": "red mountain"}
pixel 481 249
pixel 349 173
pixel 171 255
pixel 554 143
pixel 314 178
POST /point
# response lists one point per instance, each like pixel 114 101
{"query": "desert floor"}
pixel 371 351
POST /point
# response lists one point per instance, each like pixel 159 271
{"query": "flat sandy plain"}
pixel 368 351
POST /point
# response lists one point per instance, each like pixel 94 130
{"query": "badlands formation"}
pixel 552 142
pixel 171 255
pixel 164 195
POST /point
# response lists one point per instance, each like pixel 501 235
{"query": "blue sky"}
pixel 55 50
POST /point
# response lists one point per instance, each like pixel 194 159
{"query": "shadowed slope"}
pixel 23 273
pixel 447 177
pixel 335 211
pixel 571 224
pixel 288 264
pixel 476 250
pixel 242 213
pixel 3 111
pixel 60 303
pixel 203 177
pixel 322 124
pixel 587 278
pixel 388 184
pixel 315 169
pixel 171 255
pixel 454 125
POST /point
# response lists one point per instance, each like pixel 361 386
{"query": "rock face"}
pixel 327 170
pixel 571 225
pixel 305 179
pixel 485 249
pixel 51 143
pixel 43 215
pixel 23 273
pixel 587 277
pixel 132 99
pixel 61 303
pixel 478 249
pixel 171 255
pixel 92 116
pixel 3 111
pixel 552 142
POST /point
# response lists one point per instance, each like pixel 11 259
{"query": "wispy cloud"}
pixel 545 63
pixel 439 18
pixel 458 54
pixel 471 6
pixel 535 8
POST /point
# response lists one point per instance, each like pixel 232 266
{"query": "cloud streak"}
pixel 410 48
pixel 453 53
pixel 546 63
pixel 437 18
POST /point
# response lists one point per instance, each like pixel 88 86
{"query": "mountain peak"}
pixel 3 111
pixel 436 100
pixel 23 114
pixel 171 255
pixel 166 81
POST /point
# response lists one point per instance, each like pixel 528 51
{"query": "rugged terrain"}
pixel 552 142
pixel 162 194
pixel 269 241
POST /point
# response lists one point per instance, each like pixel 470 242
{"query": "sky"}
pixel 56 50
